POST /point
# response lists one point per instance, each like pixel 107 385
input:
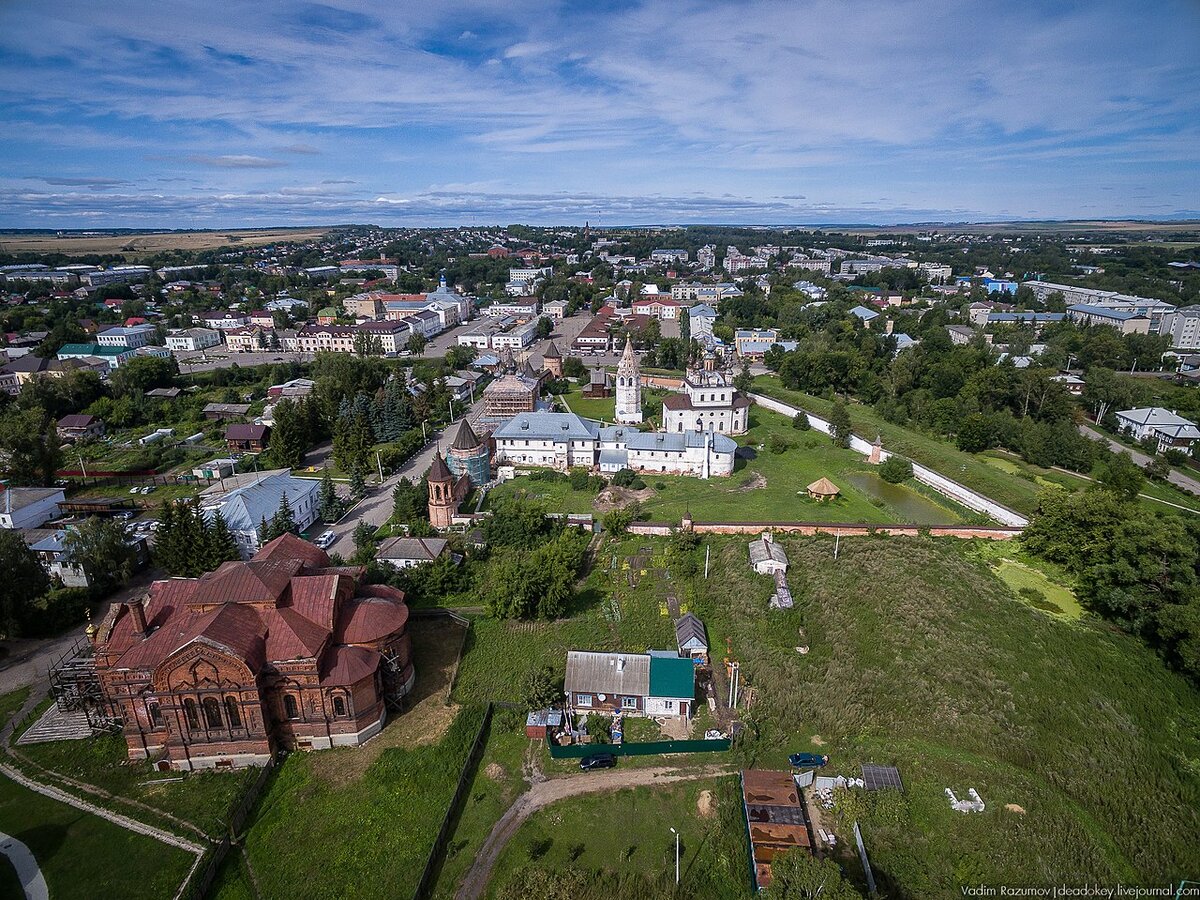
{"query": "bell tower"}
pixel 629 387
pixel 442 504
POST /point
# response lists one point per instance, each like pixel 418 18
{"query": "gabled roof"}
pixel 288 546
pixel 261 581
pixel 608 673
pixel 424 549
pixel 689 632
pixel 243 432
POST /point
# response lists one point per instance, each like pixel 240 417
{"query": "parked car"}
pixel 598 761
pixel 325 540
pixel 148 489
pixel 135 490
pixel 807 760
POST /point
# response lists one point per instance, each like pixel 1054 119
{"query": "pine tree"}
pixel 328 505
pixel 283 521
pixel 166 545
pixel 265 533
pixel 358 484
pixel 221 544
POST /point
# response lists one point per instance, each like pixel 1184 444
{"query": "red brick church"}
pixel 284 651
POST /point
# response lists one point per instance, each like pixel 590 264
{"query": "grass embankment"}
pixel 204 799
pixel 1085 748
pixel 620 844
pixel 766 487
pixel 83 856
pixel 314 835
pixel 1001 477
pixel 928 450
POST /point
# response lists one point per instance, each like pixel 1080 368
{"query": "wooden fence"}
pixel 437 852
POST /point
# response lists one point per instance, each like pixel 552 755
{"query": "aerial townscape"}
pixel 596 453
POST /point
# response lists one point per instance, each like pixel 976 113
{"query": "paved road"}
pixel 29 874
pixel 376 507
pixel 545 792
pixel 28 661
pixel 1177 478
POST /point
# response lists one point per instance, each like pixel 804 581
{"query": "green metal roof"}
pixel 91 350
pixel 673 677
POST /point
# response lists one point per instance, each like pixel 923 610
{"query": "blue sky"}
pixel 204 114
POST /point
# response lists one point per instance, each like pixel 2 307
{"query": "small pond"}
pixel 907 504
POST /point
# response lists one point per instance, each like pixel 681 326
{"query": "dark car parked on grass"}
pixel 597 761
pixel 807 760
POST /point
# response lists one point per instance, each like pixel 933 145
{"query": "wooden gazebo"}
pixel 823 489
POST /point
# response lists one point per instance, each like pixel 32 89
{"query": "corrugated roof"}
pixel 608 673
pixel 426 549
pixel 245 507
pixel 547 426
pixel 672 677
pixel 690 630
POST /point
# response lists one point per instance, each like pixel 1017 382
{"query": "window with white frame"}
pixel 583 699
pixel 629 703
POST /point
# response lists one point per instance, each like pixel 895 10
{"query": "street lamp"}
pixel 676 833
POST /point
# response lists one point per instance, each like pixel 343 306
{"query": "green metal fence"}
pixel 648 748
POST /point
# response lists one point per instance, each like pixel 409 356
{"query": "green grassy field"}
pixel 620 843
pixel 205 799
pixel 770 487
pixel 83 856
pixel 989 473
pixel 922 658
pixel 313 836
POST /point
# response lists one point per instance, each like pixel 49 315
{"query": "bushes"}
pixel 800 422
pixel 583 480
pixel 60 609
pixel 777 443
pixel 895 469
pixel 628 478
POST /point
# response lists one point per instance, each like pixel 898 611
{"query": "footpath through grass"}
pixel 921 658
pixel 205 799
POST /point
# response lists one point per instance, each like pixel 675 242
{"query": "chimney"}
pixel 137 609
pixel 891 326
pixel 620 664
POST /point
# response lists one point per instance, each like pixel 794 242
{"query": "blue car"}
pixel 807 760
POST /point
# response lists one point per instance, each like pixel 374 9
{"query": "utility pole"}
pixel 379 464
pixel 837 539
pixel 1134 366
pixel 707 553
pixel 676 833
pixel 82 467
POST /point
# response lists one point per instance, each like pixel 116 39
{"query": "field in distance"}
pixel 81 243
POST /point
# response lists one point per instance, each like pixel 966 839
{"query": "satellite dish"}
pixel 601 697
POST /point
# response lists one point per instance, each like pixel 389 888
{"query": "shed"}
pixel 540 723
pixel 691 637
pixel 672 686
pixel 823 489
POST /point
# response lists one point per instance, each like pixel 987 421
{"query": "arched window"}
pixel 189 710
pixel 339 706
pixel 290 708
pixel 212 712
pixel 231 712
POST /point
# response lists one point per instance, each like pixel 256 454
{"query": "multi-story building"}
pixel 800 261
pixel 657 306
pixel 248 338
pixel 706 257
pixel 116 275
pixel 390 337
pixel 735 261
pixel 937 273
pixel 669 256
pixel 1171 431
pixel 701 319
pixel 132 336
pixel 193 339
pixel 520 308
pixel 1152 309
pixel 1124 321
pixel 1183 327
pixel 336 338
pixel 284 651
pixel 708 402
pixel 224 318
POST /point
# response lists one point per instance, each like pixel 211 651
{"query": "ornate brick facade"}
pixel 281 652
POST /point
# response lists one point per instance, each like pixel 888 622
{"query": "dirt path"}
pixel 546 792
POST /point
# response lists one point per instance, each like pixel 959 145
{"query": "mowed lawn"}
pixel 83 856
pixel 766 486
pixel 619 844
pixel 1085 748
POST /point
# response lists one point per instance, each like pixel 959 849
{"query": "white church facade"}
pixel 708 402
pixel 629 388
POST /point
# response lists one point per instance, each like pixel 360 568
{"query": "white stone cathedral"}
pixel 629 388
